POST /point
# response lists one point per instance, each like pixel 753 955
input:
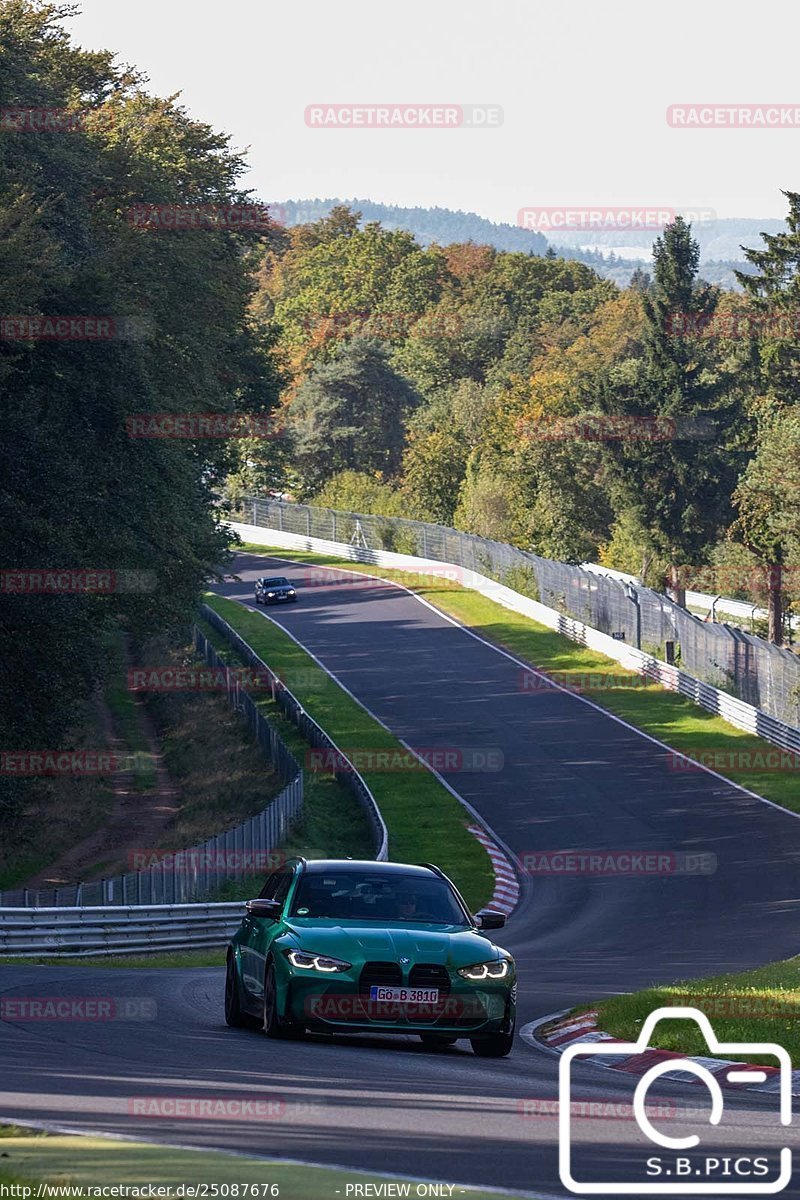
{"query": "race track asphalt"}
pixel 572 778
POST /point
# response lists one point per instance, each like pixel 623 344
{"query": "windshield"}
pixel 353 896
pixel 279 581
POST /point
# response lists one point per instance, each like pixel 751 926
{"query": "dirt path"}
pixel 136 822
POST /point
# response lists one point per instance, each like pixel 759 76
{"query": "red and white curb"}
pixel 583 1027
pixel 505 897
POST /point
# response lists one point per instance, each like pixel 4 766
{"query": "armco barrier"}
pixel 730 708
pixel 97 932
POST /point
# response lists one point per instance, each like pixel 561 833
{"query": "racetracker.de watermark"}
pixel 580 682
pixel 736 760
pixel 356 1006
pixel 403 116
pixel 484 759
pixel 197 679
pixel 619 862
pixel 78 1008
pixel 178 218
pixel 223 1108
pixel 69 581
pixel 196 859
pixel 18 119
pixel 734 116
pixel 57 327
pixel 199 425
pixel 70 762
pixel 607 218
pixel 538 1108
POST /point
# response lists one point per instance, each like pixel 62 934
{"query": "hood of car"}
pixel 354 942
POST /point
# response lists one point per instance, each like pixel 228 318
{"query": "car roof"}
pixel 317 866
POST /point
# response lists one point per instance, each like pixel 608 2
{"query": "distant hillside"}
pixel 428 225
pixel 720 240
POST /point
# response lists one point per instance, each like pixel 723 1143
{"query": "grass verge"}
pixel 761 1005
pixel 96 1162
pixel 673 719
pixel 207 956
pixel 332 823
pixel 425 822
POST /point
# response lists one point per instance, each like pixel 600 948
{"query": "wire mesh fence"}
pixel 181 876
pixel 730 659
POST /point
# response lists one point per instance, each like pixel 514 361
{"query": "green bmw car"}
pixel 346 946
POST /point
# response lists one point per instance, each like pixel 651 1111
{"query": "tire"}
pixel 494 1045
pixel 234 1016
pixel 257 599
pixel 273 1025
pixel 437 1041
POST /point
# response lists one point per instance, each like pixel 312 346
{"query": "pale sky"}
pixel 584 86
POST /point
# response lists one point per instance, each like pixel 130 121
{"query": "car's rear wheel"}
pixel 437 1041
pixel 493 1045
pixel 234 1016
pixel 273 1024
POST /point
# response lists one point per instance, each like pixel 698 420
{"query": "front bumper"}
pixel 338 1004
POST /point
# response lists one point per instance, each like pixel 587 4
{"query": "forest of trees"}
pixel 75 490
pixel 652 428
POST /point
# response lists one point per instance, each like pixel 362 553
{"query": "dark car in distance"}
pixel 275 589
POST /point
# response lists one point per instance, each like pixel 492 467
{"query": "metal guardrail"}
pixel 188 874
pixel 344 770
pixel 97 932
pixel 741 664
pixel 734 710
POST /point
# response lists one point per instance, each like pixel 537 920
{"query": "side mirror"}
pixel 490 920
pixel 269 909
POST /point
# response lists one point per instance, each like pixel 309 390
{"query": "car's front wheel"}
pixel 273 1024
pixel 257 598
pixel 234 1016
pixel 493 1045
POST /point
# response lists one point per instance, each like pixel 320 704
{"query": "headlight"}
pixel 486 970
pixel 270 593
pixel 291 591
pixel 315 962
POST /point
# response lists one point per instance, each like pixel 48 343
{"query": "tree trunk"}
pixel 775 605
pixel 675 589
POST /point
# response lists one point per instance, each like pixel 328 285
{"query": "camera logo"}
pixel 677 1172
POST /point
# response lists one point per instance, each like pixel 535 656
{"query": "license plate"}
pixel 401 995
